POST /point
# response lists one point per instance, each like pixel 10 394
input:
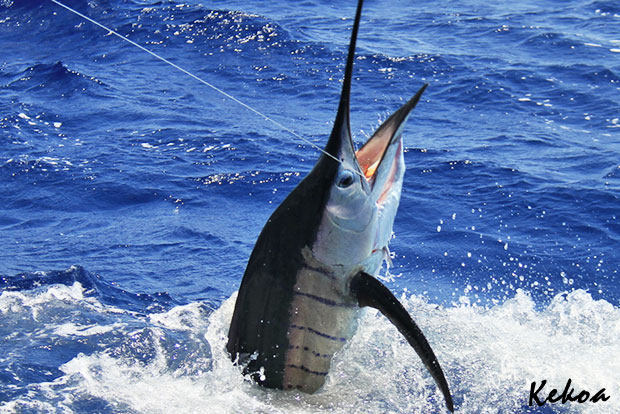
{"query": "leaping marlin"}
pixel 311 268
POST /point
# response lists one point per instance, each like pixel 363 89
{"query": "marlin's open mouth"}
pixel 370 157
pixel 380 158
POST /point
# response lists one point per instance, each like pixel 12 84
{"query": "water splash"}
pixel 175 360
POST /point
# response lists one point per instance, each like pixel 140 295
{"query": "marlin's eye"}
pixel 345 179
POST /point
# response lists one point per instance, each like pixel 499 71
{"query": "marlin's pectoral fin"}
pixel 371 292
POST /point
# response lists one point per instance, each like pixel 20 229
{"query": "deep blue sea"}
pixel 131 196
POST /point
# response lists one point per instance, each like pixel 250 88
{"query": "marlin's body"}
pixel 312 265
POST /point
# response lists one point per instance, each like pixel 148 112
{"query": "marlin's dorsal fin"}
pixel 340 138
pixel 371 292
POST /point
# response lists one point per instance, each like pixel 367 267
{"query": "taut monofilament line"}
pixel 199 79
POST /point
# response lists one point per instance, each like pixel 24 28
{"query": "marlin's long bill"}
pixel 310 270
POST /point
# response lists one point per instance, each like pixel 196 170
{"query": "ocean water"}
pixel 131 196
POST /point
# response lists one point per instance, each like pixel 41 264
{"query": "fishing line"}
pixel 204 82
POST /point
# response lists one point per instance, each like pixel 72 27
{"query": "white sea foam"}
pixel 39 300
pixel 72 329
pixel 15 302
pixel 490 357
